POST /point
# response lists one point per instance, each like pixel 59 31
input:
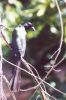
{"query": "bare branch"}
pixel 35 77
pixel 62 32
pixel 11 92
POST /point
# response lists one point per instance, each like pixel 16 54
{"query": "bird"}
pixel 18 45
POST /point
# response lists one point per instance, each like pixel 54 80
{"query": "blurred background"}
pixel 42 43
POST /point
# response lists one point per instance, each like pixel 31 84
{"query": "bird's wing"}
pixel 21 43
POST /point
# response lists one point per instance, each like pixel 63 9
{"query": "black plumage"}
pixel 18 45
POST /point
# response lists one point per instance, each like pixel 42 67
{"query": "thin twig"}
pixel 33 94
pixel 27 65
pixel 34 76
pixel 62 32
pixel 53 67
pixel 30 70
pixel 60 46
pixel 8 84
pixel 54 53
pixel 2 94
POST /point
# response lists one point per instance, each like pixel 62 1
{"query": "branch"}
pixel 8 84
pixel 62 32
pixel 34 77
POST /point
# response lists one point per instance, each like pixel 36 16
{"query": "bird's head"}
pixel 29 25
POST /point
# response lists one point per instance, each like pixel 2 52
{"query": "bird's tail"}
pixel 12 81
pixel 15 81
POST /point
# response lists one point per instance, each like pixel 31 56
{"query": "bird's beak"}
pixel 33 28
